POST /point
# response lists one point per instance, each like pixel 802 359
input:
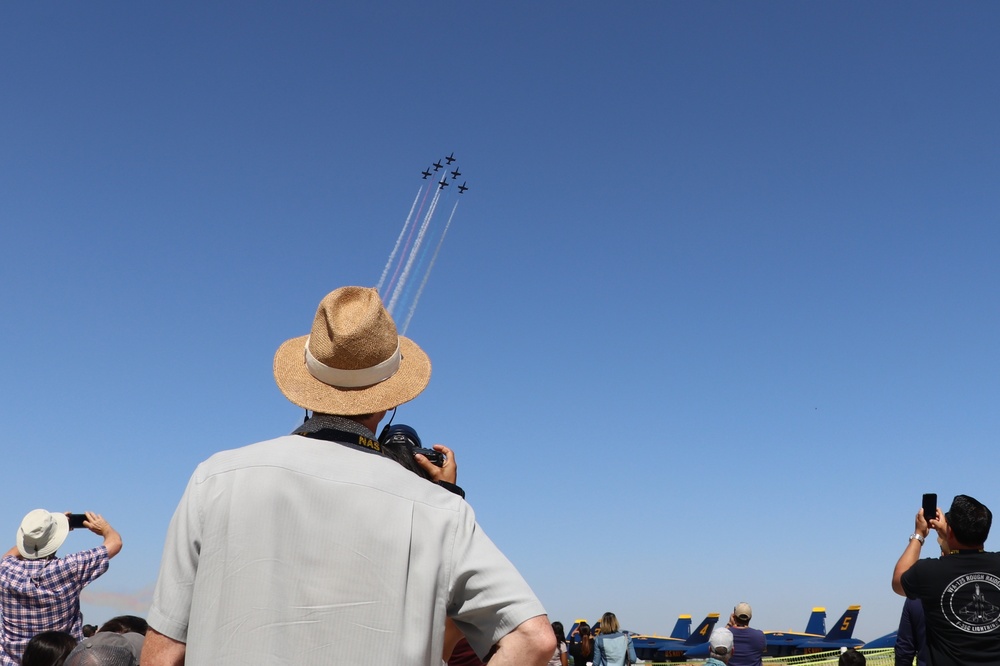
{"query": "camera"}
pixel 405 436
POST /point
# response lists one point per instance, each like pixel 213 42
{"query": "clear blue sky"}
pixel 722 303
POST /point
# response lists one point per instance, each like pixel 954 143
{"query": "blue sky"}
pixel 720 306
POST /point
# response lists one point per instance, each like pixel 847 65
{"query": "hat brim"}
pixel 62 530
pixel 306 391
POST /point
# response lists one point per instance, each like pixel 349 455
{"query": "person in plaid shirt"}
pixel 40 592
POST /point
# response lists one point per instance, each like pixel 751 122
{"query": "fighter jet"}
pixel 676 647
pixel 437 165
pixel 442 184
pixel 451 158
pixel 462 188
pixel 426 173
pixel 455 174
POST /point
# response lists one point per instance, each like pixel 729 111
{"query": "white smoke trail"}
pixel 395 249
pixel 427 274
pixel 413 253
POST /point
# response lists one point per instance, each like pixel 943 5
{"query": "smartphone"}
pixel 76 520
pixel 930 506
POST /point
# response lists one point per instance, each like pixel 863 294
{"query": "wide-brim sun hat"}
pixel 353 361
pixel 41 533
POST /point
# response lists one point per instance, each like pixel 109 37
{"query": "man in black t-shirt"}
pixel 960 593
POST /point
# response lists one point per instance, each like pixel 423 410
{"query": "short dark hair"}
pixel 851 657
pixel 124 624
pixel 969 520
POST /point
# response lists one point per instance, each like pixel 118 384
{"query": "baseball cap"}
pixel 104 649
pixel 721 641
pixel 742 611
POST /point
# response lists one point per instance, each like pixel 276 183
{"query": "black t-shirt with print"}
pixel 961 598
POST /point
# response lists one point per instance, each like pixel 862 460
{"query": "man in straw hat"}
pixel 314 548
pixel 41 592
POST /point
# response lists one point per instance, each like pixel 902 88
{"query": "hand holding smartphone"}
pixel 930 507
pixel 76 520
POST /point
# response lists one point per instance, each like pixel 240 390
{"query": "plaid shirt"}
pixel 43 595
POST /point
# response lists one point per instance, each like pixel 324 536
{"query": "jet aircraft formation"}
pixel 412 254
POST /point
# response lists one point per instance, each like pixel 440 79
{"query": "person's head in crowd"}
pixel 89 630
pixel 969 521
pixel 123 624
pixel 851 657
pixel 107 649
pixel 557 629
pixel 353 363
pixel 609 623
pixel 720 645
pixel 49 648
pixel 41 534
pixel 742 614
pixel 584 630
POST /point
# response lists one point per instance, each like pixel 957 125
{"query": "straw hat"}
pixel 41 533
pixel 353 362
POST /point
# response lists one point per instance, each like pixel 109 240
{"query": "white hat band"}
pixel 340 378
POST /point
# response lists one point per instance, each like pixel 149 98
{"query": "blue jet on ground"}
pixel 815 628
pixel 675 647
pixel 784 643
pixel 887 641
pixel 681 629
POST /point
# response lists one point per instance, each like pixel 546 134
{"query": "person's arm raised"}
pixel 112 540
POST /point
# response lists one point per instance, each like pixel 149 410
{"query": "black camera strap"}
pixel 350 439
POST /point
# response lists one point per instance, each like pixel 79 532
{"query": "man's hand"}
pixel 95 523
pixel 447 472
pixel 940 524
pixel 920 525
pixel 112 540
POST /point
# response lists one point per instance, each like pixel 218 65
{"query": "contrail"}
pixel 137 602
pixel 413 225
pixel 427 275
pixel 402 232
pixel 413 253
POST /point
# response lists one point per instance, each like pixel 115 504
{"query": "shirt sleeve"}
pixel 488 597
pixel 171 608
pixel 914 579
pixel 905 648
pixel 88 564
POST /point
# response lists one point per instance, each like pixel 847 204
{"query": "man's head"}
pixel 41 533
pixel 969 521
pixel 742 614
pixel 851 657
pixel 353 361
pixel 720 645
pixel 107 649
